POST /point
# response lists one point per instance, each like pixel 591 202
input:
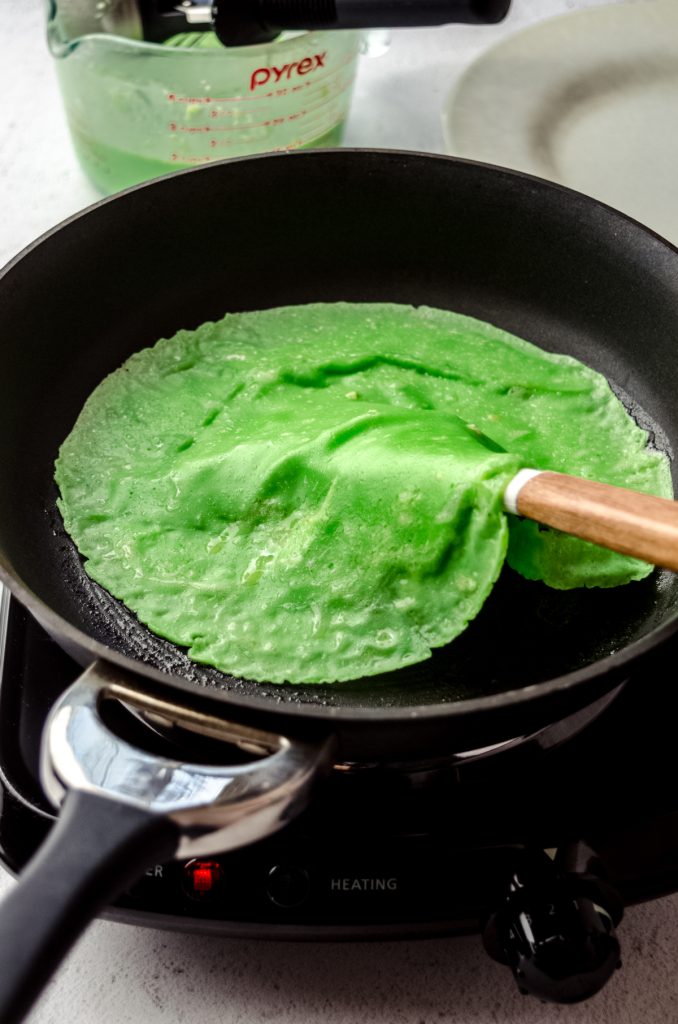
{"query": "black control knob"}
pixel 288 885
pixel 556 931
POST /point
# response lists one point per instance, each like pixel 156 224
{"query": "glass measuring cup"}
pixel 137 110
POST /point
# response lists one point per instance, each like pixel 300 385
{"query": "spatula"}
pixel 629 522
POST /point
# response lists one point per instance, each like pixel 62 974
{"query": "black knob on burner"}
pixel 556 931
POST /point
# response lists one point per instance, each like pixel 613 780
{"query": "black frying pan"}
pixel 541 261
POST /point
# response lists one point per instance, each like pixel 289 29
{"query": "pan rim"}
pixel 611 665
pixel 338 154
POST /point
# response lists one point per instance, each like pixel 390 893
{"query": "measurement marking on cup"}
pixel 270 122
pixel 318 129
pixel 241 127
pixel 326 106
pixel 177 157
pixel 314 122
pixel 320 80
pixel 314 131
pixel 315 127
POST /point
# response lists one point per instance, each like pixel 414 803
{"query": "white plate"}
pixel 588 99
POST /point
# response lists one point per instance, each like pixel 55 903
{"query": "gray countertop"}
pixel 122 974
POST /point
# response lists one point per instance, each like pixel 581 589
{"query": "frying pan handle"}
pixel 218 807
pixel 124 809
pixel 94 851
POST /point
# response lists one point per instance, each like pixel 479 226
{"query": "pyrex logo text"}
pixel 273 74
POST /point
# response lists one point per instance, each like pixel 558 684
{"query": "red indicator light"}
pixel 202 878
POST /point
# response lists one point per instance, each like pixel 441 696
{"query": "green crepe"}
pixel 303 494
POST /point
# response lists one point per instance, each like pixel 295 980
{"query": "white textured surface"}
pixel 123 975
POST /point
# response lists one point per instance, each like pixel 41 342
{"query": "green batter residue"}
pixel 305 494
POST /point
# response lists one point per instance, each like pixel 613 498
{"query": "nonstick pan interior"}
pixel 535 259
pixel 526 633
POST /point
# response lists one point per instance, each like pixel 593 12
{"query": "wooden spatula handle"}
pixel 625 521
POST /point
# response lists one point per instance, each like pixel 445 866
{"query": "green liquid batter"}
pixel 111 169
pixel 305 494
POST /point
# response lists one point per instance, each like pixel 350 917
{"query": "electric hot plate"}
pixel 504 841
